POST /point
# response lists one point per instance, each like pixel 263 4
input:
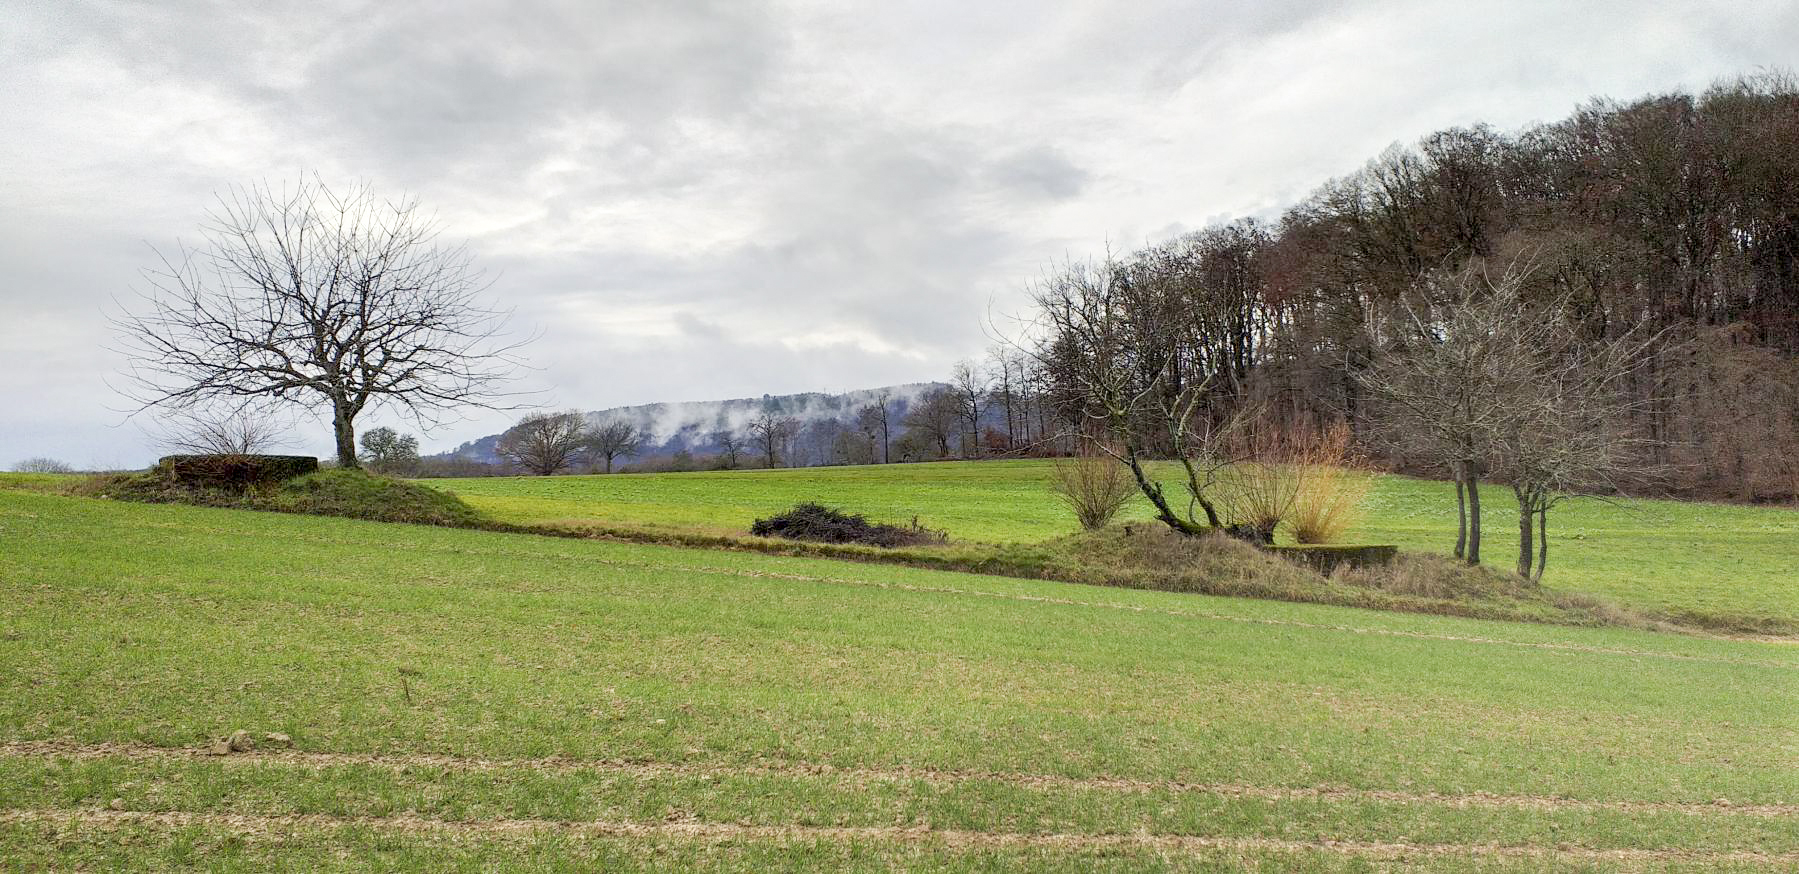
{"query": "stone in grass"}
pixel 278 739
pixel 238 742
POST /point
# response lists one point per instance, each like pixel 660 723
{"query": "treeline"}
pixel 1675 217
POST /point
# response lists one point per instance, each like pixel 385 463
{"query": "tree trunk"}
pixel 608 457
pixel 1461 514
pixel 1473 486
pixel 345 431
pixel 1153 492
pixel 1542 542
pixel 1526 515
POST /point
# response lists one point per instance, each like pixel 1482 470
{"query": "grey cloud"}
pixel 699 199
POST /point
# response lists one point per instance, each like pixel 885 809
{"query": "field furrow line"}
pixel 255 826
pixel 311 759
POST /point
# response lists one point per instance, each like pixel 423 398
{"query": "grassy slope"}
pixel 1677 558
pixel 746 679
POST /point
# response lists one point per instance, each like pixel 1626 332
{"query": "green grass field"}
pixel 470 700
pixel 1717 562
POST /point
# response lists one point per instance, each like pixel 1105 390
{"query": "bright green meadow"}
pixel 484 701
pixel 1719 563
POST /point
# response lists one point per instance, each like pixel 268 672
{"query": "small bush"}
pixel 42 465
pixel 1095 487
pixel 821 524
pixel 1329 501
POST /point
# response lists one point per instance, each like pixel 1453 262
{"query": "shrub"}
pixel 1329 500
pixel 1095 487
pixel 1301 477
pixel 42 465
pixel 821 524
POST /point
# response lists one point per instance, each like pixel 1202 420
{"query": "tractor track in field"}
pixel 275 826
pixel 864 775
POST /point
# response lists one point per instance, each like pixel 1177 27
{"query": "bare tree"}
pixel 333 302
pixel 935 417
pixel 730 447
pixel 217 430
pixel 875 421
pixel 42 464
pixel 1115 344
pixel 544 443
pixel 615 439
pixel 1565 434
pixel 1008 369
pixel 386 450
pixel 1441 384
pixel 1481 380
pixel 771 432
pixel 970 385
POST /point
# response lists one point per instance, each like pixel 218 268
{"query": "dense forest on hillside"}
pixel 1671 217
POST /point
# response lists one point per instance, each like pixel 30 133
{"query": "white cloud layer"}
pixel 696 199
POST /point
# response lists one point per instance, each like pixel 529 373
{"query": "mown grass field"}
pixel 483 701
pixel 1713 561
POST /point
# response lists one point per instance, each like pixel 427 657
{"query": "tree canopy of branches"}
pixel 335 302
pixel 613 440
pixel 933 420
pixel 1121 342
pixel 544 443
pixel 1478 379
pixel 385 450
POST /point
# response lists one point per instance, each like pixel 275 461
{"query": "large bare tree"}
pixel 1119 344
pixel 615 439
pixel 876 421
pixel 338 302
pixel 730 447
pixel 544 443
pixel 771 432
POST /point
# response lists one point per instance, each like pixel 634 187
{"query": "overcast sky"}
pixel 701 200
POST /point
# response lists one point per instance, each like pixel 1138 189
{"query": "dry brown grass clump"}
pixel 1436 576
pixel 1331 488
pixel 1095 486
pixel 1305 478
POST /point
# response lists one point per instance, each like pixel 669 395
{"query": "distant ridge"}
pixel 688 425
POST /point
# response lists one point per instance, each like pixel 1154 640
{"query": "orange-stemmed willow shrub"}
pixel 1332 486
